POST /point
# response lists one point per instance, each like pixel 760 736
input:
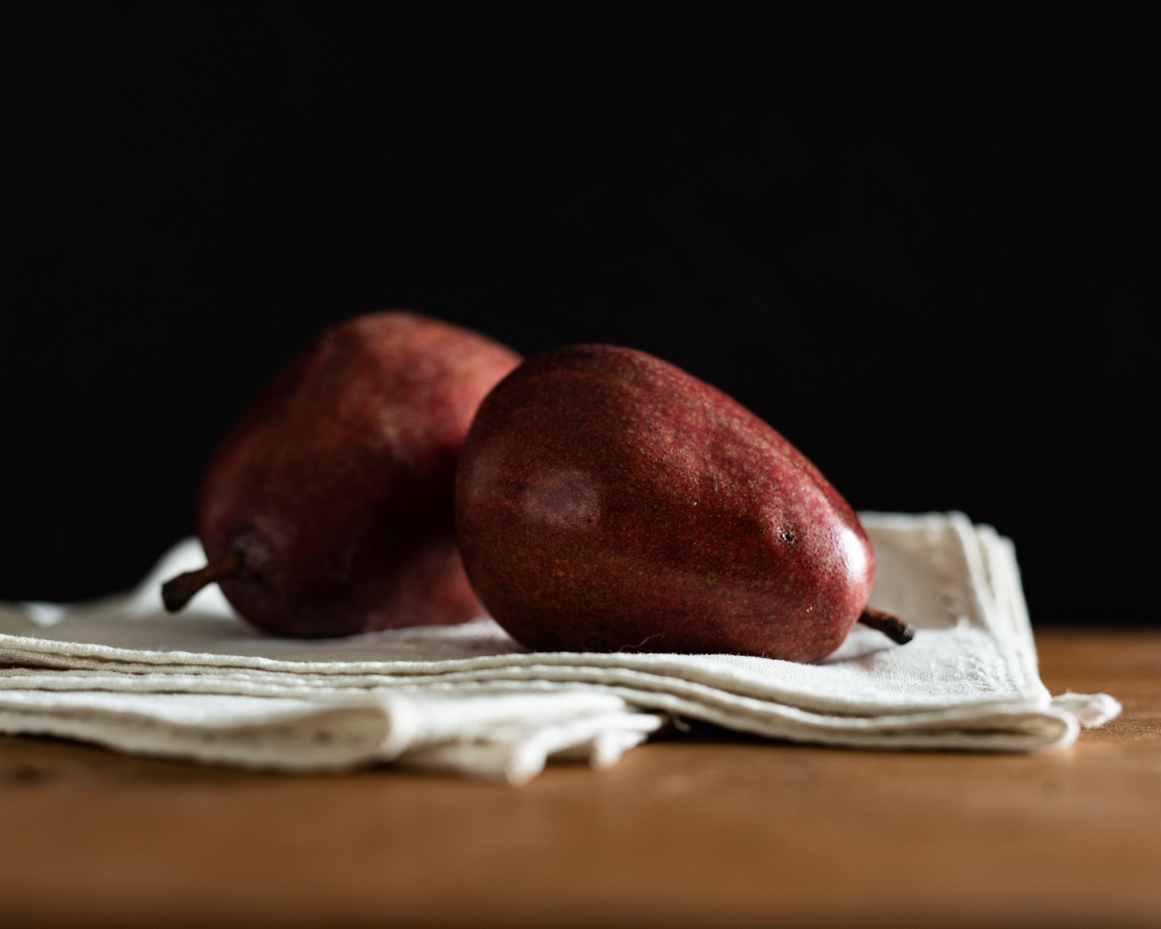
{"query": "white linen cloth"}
pixel 205 686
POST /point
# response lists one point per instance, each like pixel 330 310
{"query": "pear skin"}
pixel 608 500
pixel 329 509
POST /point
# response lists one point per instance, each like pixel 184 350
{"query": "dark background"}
pixel 918 248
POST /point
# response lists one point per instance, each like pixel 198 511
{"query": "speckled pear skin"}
pixel 608 500
pixel 337 487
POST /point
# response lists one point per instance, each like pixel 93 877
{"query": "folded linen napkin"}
pixel 206 686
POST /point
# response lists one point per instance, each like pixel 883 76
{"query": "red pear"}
pixel 328 510
pixel 608 500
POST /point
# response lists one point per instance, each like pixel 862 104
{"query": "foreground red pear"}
pixel 328 510
pixel 608 500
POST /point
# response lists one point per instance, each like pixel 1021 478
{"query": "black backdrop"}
pixel 915 248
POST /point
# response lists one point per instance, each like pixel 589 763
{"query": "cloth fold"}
pixel 205 686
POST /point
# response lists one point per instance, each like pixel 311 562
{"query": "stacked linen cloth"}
pixel 205 686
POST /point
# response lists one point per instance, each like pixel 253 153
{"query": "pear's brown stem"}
pixel 178 591
pixel 891 626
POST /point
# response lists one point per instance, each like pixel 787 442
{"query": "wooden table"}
pixel 714 831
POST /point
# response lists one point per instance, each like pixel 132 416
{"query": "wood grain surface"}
pixel 708 830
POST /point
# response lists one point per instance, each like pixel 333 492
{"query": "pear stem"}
pixel 891 626
pixel 178 591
